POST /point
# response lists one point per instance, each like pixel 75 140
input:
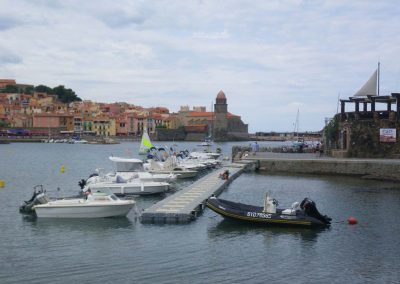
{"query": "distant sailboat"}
pixel 298 143
pixel 296 127
pixel 145 145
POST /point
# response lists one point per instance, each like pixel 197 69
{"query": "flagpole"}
pixel 379 65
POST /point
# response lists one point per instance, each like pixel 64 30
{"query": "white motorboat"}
pixel 131 168
pixel 96 205
pixel 168 167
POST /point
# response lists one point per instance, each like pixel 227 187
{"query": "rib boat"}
pixel 304 214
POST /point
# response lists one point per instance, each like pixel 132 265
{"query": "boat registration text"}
pixel 259 215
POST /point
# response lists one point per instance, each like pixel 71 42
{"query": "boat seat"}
pixel 120 179
pixel 292 211
pixel 289 212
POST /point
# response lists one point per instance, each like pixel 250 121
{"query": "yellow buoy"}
pixel 62 169
pixel 2 183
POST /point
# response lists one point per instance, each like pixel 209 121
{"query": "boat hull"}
pixel 179 174
pixel 88 211
pixel 254 214
pixel 134 189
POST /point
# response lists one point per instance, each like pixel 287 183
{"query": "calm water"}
pixel 208 250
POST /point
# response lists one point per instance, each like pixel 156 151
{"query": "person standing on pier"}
pixel 321 149
pixel 255 148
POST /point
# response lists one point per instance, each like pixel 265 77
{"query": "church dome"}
pixel 221 95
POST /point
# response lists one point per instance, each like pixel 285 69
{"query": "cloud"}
pixel 7 57
pixel 8 22
pixel 118 19
pixel 269 57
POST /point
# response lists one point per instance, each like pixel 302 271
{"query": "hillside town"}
pixel 27 112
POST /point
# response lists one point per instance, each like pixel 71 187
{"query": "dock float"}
pixel 186 204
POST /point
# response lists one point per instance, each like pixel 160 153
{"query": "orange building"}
pixel 54 120
pixel 6 82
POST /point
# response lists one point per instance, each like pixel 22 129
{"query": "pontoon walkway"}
pixel 186 204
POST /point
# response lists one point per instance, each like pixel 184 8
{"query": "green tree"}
pixel 29 90
pixel 4 124
pixel 43 89
pixel 65 95
pixel 11 89
pixel 331 130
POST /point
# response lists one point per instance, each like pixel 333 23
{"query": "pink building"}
pixel 54 120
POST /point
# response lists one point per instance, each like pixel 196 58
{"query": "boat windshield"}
pixel 113 197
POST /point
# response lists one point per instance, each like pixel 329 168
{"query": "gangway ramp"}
pixel 186 204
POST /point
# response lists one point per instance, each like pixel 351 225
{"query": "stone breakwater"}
pixel 309 163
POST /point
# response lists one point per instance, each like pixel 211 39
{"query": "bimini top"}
pixel 127 164
pixel 125 160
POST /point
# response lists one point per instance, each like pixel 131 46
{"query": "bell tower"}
pixel 220 116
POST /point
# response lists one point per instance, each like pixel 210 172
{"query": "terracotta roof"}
pixel 231 115
pixel 209 114
pixel 52 114
pixel 7 81
pixel 201 113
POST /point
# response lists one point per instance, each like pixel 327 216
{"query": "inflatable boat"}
pixel 304 214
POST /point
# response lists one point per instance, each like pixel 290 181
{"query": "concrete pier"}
pixel 186 204
pixel 382 169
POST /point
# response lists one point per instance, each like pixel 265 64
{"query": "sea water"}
pixel 208 250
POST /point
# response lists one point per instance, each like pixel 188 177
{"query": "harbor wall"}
pixel 164 134
pixel 373 169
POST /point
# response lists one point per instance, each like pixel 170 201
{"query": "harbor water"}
pixel 208 250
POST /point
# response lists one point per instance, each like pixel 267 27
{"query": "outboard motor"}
pixel 311 210
pixel 38 197
pixel 82 183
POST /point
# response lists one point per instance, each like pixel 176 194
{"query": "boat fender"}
pixel 352 221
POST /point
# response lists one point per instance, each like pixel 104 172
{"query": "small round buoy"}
pixel 352 221
pixel 2 183
pixel 62 170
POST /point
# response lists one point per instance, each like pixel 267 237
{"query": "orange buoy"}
pixel 352 221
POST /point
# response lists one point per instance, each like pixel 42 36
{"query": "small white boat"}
pixel 170 166
pixel 97 205
pixel 130 168
pixel 81 141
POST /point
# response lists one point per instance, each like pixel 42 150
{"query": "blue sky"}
pixel 271 58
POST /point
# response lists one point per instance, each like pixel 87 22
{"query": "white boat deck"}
pixel 186 204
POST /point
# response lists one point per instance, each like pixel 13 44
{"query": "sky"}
pixel 273 59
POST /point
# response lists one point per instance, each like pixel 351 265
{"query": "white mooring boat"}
pixel 94 205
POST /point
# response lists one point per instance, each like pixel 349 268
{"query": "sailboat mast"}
pixel 296 126
pixel 379 66
pixel 212 122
